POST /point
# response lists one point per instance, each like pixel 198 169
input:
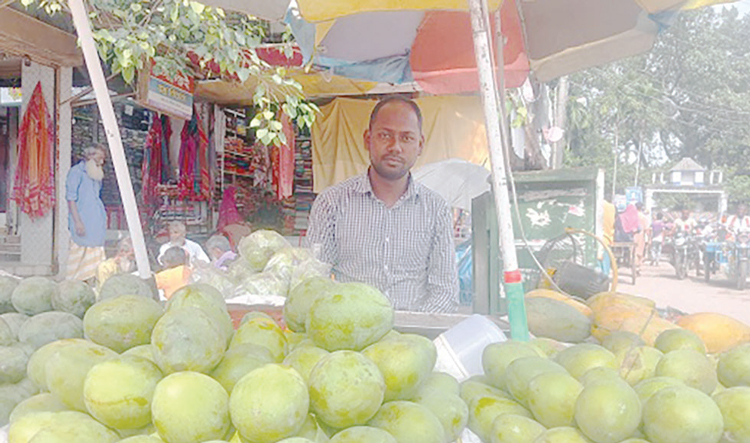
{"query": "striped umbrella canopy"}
pixel 430 41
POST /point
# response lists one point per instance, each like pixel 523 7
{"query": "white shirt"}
pixel 738 224
pixel 193 249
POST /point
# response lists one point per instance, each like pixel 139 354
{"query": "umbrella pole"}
pixel 99 84
pixel 497 138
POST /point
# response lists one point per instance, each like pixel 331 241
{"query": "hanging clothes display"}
pixel 156 168
pixel 195 171
pixel 34 182
pixel 282 158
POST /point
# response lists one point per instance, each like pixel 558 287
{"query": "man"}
pixel 657 238
pixel 383 228
pixel 177 233
pixel 685 223
pixel 220 251
pixel 87 218
pixel 740 222
pixel 641 237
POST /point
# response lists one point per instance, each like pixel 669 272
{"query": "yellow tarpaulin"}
pixel 453 128
pixel 313 84
pixel 320 10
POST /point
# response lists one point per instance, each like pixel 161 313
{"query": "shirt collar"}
pixel 364 186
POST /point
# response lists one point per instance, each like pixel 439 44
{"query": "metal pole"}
pixel 83 28
pixel 496 130
pixel 614 168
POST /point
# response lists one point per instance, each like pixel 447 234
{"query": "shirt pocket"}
pixel 411 249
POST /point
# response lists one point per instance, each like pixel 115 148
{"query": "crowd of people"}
pixel 648 232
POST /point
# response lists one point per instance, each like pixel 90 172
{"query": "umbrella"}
pixel 456 180
pixel 403 46
pixel 399 44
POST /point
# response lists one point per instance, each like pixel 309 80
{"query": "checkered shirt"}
pixel 406 251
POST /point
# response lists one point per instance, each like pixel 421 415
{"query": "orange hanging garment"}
pixel 34 183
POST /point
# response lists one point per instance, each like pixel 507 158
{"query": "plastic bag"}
pixel 257 248
pixel 309 268
pixel 263 284
pixel 283 263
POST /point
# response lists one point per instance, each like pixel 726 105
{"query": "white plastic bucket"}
pixel 460 348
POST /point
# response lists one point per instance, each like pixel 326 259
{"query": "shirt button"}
pixel 387 239
pixel 385 267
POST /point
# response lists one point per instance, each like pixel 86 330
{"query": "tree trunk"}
pixel 561 100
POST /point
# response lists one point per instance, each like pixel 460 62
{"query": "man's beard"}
pixel 94 171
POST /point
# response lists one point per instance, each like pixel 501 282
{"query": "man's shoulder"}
pixel 430 197
pixel 346 187
pixel 78 168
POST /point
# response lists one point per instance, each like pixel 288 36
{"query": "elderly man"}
pixel 177 233
pixel 87 218
pixel 383 228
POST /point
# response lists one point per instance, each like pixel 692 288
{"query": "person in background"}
pixel 610 215
pixel 177 233
pixel 122 263
pixel 657 238
pixel 385 229
pixel 684 223
pixel 176 272
pixel 740 222
pixel 87 218
pixel 641 237
pixel 220 251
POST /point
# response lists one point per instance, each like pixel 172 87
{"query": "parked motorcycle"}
pixel 729 258
pixel 684 253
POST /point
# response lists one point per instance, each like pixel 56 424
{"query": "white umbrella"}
pixel 457 181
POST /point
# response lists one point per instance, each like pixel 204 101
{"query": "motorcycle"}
pixel 728 257
pixel 684 253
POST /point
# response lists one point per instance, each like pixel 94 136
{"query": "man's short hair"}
pixel 177 226
pixel 174 256
pixel 396 99
pixel 91 150
pixel 219 242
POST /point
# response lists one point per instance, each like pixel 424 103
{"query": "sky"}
pixel 742 5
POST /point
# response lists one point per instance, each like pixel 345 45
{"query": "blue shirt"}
pixel 85 192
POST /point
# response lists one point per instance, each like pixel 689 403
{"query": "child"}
pixel 176 273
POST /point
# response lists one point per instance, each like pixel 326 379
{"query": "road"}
pixel 690 295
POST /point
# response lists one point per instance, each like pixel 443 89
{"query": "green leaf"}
pixel 263 132
pixel 275 125
pixel 136 7
pixel 268 115
pixel 255 122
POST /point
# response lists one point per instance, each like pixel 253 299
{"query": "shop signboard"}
pixel 634 195
pixel 168 94
pixel 10 97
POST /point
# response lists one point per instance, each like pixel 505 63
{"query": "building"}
pixel 688 177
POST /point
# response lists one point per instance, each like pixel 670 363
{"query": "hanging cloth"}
pixel 195 174
pixel 34 183
pixel 283 162
pixel 156 168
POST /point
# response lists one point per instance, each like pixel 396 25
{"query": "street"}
pixel 690 295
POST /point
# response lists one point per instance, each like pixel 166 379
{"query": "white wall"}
pixel 37 235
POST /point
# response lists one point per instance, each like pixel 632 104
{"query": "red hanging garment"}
pixel 195 174
pixel 156 168
pixel 34 182
pixel 283 162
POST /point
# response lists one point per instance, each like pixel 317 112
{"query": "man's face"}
pixel 394 141
pixel 742 210
pixel 176 236
pixel 98 158
pixel 685 214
